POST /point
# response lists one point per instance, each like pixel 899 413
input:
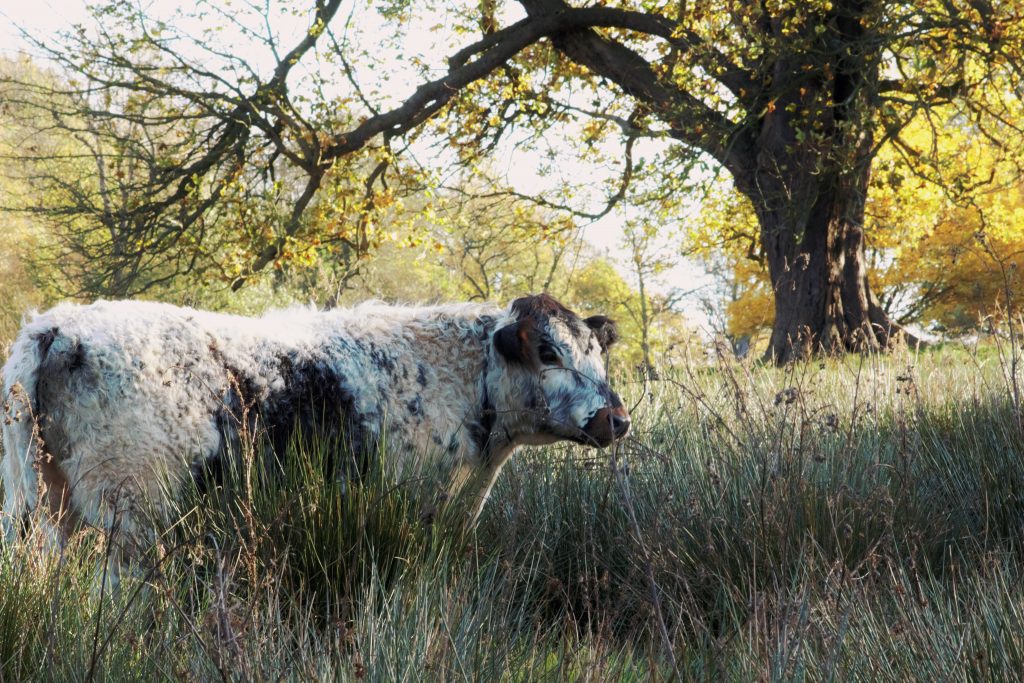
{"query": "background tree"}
pixel 948 213
pixel 500 246
pixel 945 231
pixel 648 259
pixel 791 99
pixel 497 248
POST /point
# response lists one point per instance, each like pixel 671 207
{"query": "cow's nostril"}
pixel 620 425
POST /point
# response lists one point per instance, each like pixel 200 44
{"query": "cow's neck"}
pixel 491 443
pixel 491 439
pixel 461 349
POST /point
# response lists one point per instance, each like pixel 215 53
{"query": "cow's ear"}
pixel 515 342
pixel 605 330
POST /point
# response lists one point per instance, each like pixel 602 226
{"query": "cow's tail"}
pixel 21 439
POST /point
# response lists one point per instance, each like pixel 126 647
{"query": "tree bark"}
pixel 808 184
pixel 823 301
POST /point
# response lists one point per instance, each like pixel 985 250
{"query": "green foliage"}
pixel 496 249
pixel 948 222
pixel 155 178
pixel 352 245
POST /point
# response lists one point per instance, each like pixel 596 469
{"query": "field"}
pixel 855 519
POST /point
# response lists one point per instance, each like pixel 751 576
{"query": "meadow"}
pixel 849 519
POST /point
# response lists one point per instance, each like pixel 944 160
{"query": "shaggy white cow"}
pixel 109 406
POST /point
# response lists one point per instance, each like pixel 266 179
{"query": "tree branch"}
pixel 690 119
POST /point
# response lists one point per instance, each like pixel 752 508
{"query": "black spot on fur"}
pixel 415 406
pixel 45 340
pixel 208 472
pixel 381 359
pixel 421 374
pixel 316 402
pixel 480 434
pixel 77 360
pixel 313 407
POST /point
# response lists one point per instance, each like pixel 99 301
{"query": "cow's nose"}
pixel 607 425
pixel 620 425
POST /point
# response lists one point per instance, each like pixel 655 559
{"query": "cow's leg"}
pixel 19 498
pixel 484 484
pixel 475 481
pixel 128 510
pixel 56 500
pixel 30 481
pixel 44 492
pixel 19 479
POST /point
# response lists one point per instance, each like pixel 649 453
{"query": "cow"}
pixel 113 407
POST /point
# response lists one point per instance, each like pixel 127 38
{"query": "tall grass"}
pixel 845 520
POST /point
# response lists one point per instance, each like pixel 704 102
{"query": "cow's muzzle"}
pixel 607 425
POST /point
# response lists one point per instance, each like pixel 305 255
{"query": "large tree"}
pixel 792 99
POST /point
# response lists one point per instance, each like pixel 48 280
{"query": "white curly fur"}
pixel 130 397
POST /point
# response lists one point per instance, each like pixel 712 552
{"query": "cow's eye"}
pixel 548 356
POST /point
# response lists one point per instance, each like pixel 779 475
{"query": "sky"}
pixel 44 18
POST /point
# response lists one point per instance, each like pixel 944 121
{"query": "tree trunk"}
pixel 816 261
pixel 645 326
pixel 808 182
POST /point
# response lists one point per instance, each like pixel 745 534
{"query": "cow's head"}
pixel 552 383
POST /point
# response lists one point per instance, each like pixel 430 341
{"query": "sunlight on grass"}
pixel 844 520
